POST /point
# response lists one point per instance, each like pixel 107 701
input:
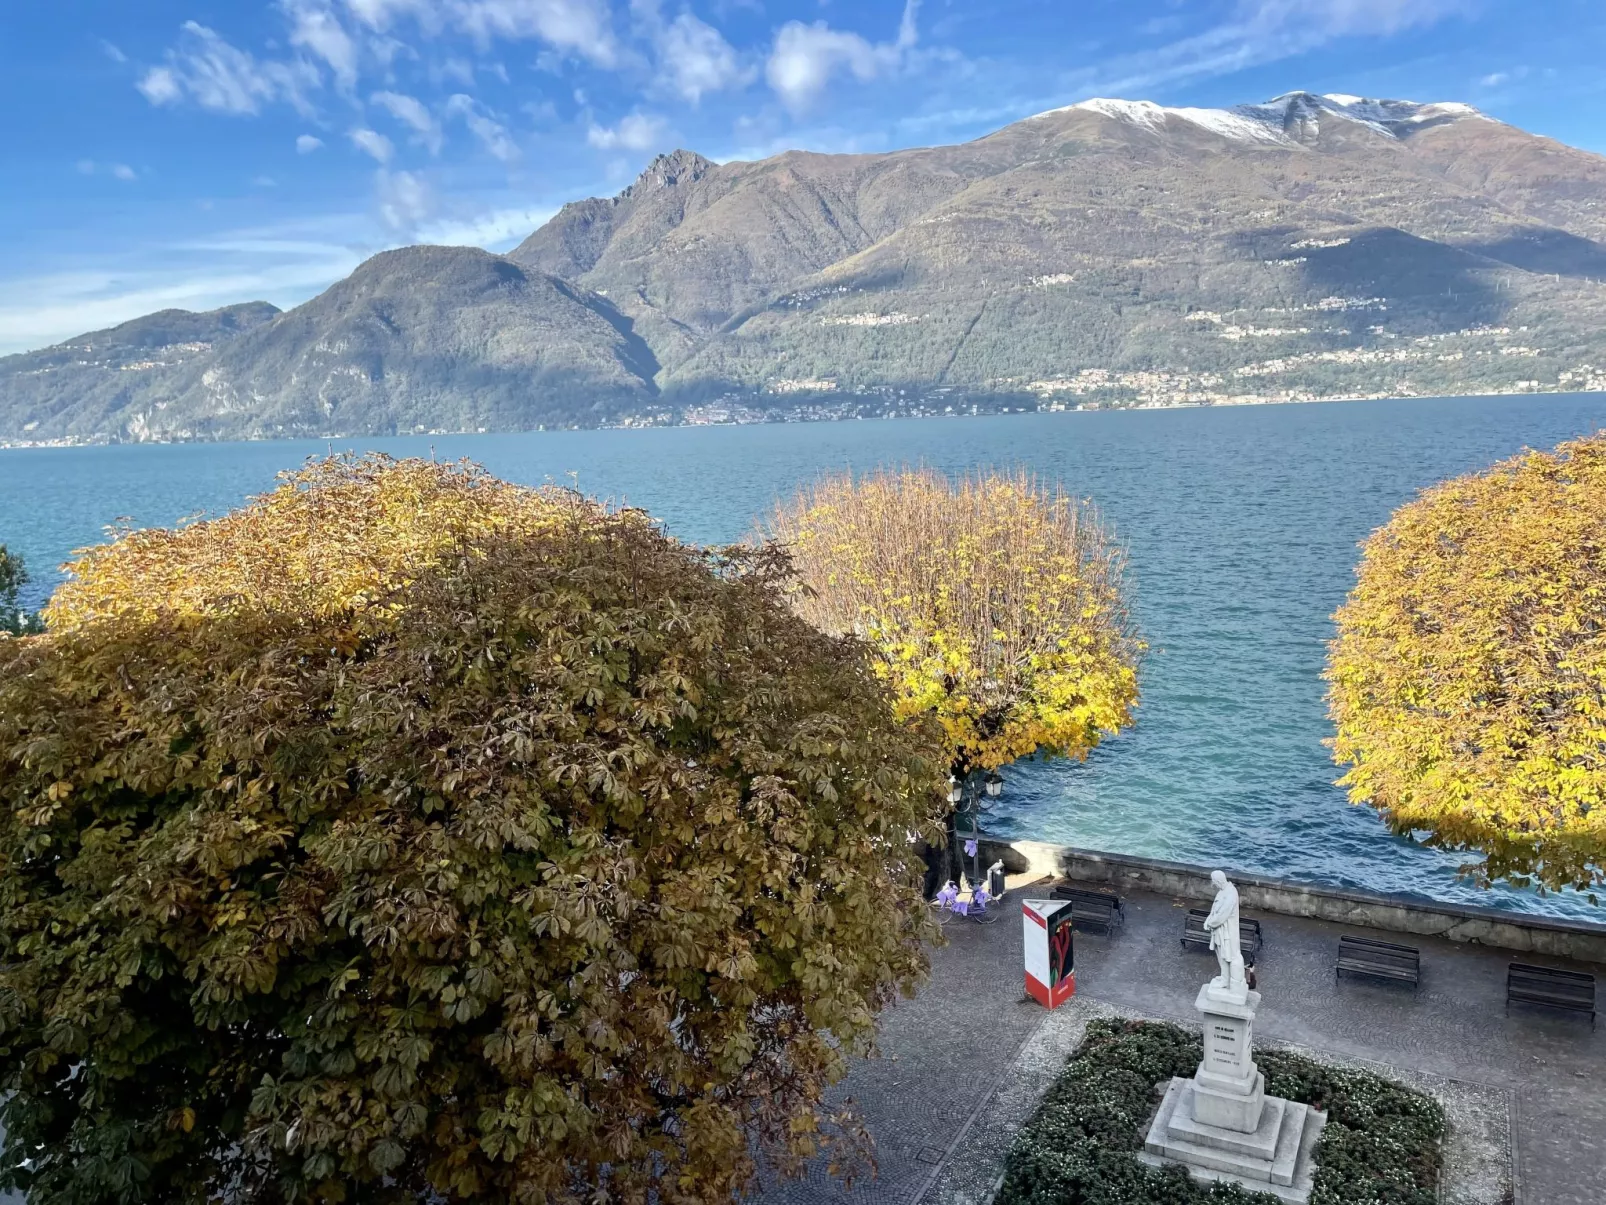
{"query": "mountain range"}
pixel 1110 253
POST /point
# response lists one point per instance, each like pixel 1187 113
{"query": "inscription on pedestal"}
pixel 1224 1052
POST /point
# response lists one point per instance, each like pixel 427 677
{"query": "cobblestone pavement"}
pixel 940 1055
pixel 943 1052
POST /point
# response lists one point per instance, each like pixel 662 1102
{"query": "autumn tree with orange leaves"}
pixel 1468 677
pixel 410 835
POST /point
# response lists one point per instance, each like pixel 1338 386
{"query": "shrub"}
pixel 409 833
pixel 1380 1145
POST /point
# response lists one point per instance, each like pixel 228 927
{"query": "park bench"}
pixel 1090 909
pixel 1379 960
pixel 1194 933
pixel 1550 987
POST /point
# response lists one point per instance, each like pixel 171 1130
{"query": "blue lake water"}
pixel 1241 525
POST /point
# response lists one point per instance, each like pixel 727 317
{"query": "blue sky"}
pixel 198 152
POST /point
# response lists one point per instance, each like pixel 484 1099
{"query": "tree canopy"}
pixel 1467 680
pixel 408 832
pixel 14 621
pixel 997 605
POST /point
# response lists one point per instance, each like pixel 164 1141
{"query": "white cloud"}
pixel 805 57
pixel 113 51
pixel 454 70
pixel 385 50
pixel 315 29
pixel 412 112
pixel 225 78
pixel 405 201
pixel 492 134
pixel 1511 76
pixel 118 171
pixel 378 14
pixel 637 132
pixel 306 144
pixel 371 142
pixel 695 58
pixel 160 86
pixel 497 230
pixel 1343 18
pixel 583 27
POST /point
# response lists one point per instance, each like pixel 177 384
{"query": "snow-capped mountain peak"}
pixel 1292 117
pixel 1145 113
pixel 1391 117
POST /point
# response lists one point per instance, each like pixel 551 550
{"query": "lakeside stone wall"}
pixel 1392 913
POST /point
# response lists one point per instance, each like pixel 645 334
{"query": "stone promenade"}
pixel 940 1101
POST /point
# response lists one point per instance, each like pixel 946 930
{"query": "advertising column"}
pixel 1050 961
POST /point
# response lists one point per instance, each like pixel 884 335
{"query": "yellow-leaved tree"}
pixel 1467 681
pixel 997 605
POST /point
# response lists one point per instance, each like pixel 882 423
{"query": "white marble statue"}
pixel 1222 925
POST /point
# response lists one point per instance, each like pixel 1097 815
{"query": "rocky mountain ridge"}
pixel 1107 253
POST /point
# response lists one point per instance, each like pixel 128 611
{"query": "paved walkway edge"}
pixel 970 1173
pixel 1002 1086
pixel 1518 1196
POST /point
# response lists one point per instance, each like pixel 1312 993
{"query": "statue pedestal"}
pixel 1221 1125
pixel 1228 1089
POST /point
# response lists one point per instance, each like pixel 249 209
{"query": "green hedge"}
pixel 1380 1145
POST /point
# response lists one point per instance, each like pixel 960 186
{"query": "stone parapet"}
pixel 1495 927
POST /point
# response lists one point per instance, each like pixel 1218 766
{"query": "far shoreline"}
pixel 798 419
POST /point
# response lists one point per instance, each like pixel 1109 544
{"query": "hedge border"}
pixel 1382 1144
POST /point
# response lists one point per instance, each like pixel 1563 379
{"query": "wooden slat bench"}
pixel 1090 909
pixel 1550 987
pixel 1195 934
pixel 1379 960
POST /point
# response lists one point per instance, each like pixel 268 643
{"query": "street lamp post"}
pixel 973 789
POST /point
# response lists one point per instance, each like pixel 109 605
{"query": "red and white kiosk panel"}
pixel 1050 961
